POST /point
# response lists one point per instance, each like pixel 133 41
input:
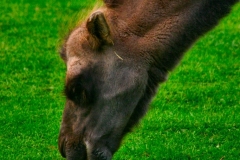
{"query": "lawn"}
pixel 195 115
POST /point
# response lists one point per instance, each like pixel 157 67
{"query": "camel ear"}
pixel 113 3
pixel 99 30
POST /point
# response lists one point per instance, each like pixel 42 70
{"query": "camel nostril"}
pixel 61 146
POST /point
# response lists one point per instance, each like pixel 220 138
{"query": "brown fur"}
pixel 115 62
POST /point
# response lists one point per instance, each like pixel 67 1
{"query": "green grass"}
pixel 194 116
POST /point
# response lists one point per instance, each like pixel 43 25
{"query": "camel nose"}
pixel 71 150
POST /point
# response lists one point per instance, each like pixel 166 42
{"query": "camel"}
pixel 116 60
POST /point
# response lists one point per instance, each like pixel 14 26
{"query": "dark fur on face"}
pixel 78 91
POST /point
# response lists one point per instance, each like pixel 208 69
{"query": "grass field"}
pixel 196 114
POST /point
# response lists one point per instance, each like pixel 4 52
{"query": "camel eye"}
pixel 74 90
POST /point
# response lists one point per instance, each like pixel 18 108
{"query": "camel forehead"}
pixel 75 40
